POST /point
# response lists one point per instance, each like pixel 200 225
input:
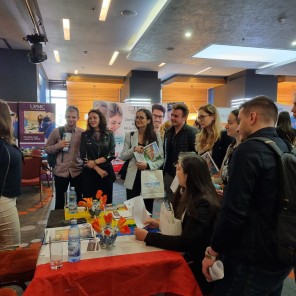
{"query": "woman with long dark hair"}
pixel 10 181
pixel 135 142
pixel 197 204
pixel 284 127
pixel 97 149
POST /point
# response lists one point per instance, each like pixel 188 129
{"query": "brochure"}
pixel 150 155
pixel 211 164
pixel 86 232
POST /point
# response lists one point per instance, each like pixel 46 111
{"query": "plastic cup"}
pixel 56 251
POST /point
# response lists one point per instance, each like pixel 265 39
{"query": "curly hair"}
pixel 103 121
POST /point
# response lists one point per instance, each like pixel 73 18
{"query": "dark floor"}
pixel 33 219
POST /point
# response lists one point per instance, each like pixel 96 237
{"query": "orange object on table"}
pixel 135 274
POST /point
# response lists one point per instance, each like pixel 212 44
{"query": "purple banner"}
pixel 36 121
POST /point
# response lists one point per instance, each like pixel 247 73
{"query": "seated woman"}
pixel 211 138
pixel 197 203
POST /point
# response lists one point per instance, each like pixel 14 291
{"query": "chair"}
pixel 17 267
pixel 31 173
pixel 44 165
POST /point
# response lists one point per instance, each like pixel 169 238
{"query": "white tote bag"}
pixel 152 184
pixel 168 224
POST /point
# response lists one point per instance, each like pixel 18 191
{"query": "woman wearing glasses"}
pixel 135 142
pixel 211 137
pixel 10 181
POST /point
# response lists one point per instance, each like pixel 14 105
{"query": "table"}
pixel 129 268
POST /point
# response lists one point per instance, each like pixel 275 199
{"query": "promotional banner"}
pixel 120 119
pixel 36 121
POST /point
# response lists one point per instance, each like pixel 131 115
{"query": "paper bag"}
pixel 152 184
pixel 168 224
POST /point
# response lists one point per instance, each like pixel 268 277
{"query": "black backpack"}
pixel 286 226
pixel 52 158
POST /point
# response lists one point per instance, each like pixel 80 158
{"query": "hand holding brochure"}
pixel 211 164
pixel 151 154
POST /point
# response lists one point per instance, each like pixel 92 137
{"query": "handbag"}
pixel 168 224
pixel 152 184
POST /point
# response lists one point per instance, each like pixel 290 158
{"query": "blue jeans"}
pixel 246 280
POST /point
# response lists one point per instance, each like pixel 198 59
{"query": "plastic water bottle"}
pixel 72 201
pixel 74 242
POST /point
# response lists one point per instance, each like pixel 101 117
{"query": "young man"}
pixel 158 113
pixel 244 236
pixel 179 138
pixel 68 167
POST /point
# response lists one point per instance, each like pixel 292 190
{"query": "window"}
pixel 59 97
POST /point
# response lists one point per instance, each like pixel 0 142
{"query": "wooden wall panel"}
pixel 285 92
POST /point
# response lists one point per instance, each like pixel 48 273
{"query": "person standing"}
pixel 97 150
pixel 179 138
pixel 135 142
pixel 10 181
pixel 158 113
pixel 244 235
pixel 293 110
pixel 68 167
pixel 284 127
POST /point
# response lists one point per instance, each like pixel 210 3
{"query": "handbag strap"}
pixel 5 177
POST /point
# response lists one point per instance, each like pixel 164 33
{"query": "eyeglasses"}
pixel 157 116
pixel 140 117
pixel 202 117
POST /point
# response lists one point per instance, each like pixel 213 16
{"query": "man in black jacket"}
pixel 244 237
pixel 179 138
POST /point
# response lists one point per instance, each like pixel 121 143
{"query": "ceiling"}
pixel 249 23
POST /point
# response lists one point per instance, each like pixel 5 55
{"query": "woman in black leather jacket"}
pixel 97 149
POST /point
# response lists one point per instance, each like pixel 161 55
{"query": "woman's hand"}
pixel 141 166
pixel 139 149
pixel 219 192
pixel 90 164
pixel 101 172
pixel 140 234
pixel 152 223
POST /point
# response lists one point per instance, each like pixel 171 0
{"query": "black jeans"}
pixel 61 186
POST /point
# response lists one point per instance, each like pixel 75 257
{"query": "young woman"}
pixel 284 127
pixel 231 129
pixel 197 202
pixel 10 181
pixel 135 142
pixel 211 138
pixel 97 150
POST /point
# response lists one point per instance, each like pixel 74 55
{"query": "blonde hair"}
pixel 164 127
pixel 6 129
pixel 205 141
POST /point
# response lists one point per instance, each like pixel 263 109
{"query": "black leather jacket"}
pixel 245 229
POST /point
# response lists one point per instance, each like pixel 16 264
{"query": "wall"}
pixel 18 77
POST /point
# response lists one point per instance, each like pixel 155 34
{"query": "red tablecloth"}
pixel 137 274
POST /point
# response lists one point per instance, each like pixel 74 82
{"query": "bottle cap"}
pixel 72 188
pixel 73 221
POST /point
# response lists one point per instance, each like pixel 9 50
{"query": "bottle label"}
pixel 74 248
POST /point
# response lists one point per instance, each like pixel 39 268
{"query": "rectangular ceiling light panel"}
pixel 249 54
pixel 66 28
pixel 104 10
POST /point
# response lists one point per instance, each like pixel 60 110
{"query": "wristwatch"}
pixel 208 255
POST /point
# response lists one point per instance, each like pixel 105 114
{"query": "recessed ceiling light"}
pixel 162 64
pixel 66 28
pixel 170 48
pixel 293 43
pixel 127 12
pixel 76 72
pixel 56 55
pixel 114 56
pixel 188 34
pixel 104 10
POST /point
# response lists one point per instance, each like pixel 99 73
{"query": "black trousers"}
pixel 61 187
pixel 136 191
